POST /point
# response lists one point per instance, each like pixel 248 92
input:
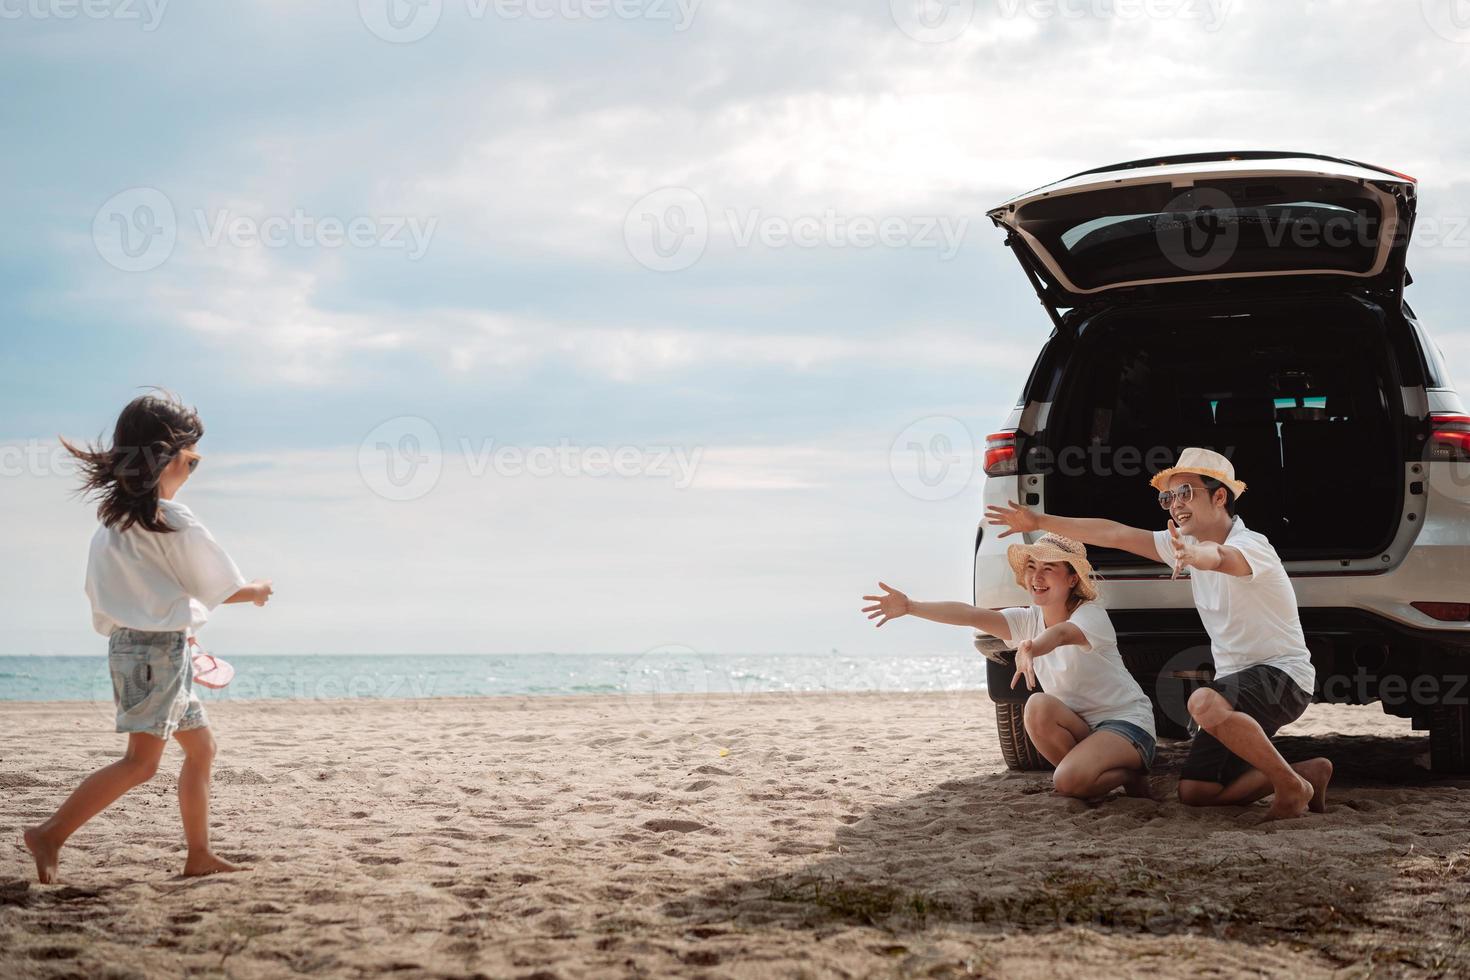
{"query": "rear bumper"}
pixel 1360 658
pixel 1332 634
pixel 1435 569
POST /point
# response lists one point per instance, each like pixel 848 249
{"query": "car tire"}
pixel 1015 744
pixel 1449 738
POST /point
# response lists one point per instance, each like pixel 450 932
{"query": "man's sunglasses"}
pixel 1184 495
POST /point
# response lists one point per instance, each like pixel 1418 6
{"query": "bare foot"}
pixel 208 864
pixel 1138 786
pixel 47 855
pixel 1318 772
pixel 1291 802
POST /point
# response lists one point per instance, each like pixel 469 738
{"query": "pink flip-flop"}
pixel 210 671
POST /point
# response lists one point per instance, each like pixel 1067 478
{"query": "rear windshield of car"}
pixel 1226 227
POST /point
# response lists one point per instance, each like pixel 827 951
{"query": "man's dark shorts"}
pixel 1265 693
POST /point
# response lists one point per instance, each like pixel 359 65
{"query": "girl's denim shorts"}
pixel 153 683
pixel 1141 739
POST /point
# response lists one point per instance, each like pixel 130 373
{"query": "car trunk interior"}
pixel 1302 399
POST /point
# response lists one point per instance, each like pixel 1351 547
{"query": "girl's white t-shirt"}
pixel 143 580
pixel 1090 679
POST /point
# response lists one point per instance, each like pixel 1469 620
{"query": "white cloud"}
pixel 840 110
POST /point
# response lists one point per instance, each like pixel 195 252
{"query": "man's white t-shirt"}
pixel 1090 679
pixel 1252 619
pixel 144 580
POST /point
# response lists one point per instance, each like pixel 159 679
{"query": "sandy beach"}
pixel 772 835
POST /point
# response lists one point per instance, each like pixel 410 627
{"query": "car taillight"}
pixel 1000 453
pixel 1445 612
pixel 1450 441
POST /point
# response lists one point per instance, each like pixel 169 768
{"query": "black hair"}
pixel 1212 484
pixel 151 430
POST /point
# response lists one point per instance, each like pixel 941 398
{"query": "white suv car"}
pixel 1252 303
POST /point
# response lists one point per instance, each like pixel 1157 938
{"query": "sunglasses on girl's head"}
pixel 1184 495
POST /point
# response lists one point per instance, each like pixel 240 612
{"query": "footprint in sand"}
pixel 678 826
pixel 54 953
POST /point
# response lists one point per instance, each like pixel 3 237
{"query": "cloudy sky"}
pixel 591 325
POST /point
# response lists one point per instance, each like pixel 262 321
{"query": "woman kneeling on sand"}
pixel 1094 723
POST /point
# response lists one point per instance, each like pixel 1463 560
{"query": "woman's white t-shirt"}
pixel 143 580
pixel 1090 679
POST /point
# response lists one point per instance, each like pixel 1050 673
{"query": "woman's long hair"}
pixel 123 477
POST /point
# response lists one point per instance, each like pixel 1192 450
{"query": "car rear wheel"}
pixel 1449 738
pixel 1015 744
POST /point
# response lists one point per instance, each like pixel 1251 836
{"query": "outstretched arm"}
pixel 258 592
pixel 1088 530
pixel 1206 555
pixel 893 604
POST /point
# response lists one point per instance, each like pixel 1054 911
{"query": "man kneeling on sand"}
pixel 1263 672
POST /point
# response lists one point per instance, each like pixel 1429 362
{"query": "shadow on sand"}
pixel 1382 877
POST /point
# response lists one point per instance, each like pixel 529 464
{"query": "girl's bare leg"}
pixel 198 746
pixel 1055 729
pixel 1099 764
pixel 97 792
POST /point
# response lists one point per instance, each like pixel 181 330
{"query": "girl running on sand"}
pixel 1094 723
pixel 154 573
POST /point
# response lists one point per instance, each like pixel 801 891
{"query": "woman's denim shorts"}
pixel 153 682
pixel 1141 739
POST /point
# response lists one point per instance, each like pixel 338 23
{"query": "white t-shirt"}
pixel 144 580
pixel 1090 679
pixel 1252 619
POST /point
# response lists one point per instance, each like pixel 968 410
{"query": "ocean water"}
pixel 671 671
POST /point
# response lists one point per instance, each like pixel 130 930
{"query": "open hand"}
pixel 1024 665
pixel 1188 555
pixel 891 605
pixel 1014 517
